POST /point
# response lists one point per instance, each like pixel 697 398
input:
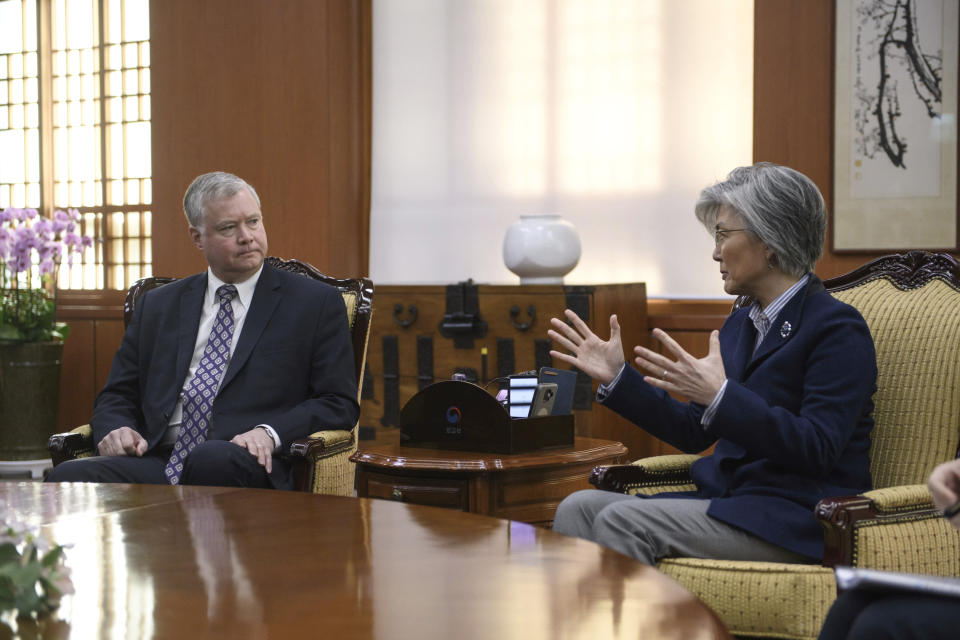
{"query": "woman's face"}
pixel 743 257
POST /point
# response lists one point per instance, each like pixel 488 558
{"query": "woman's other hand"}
pixel 697 379
pixel 599 359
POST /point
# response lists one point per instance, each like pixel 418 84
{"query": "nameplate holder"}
pixel 462 416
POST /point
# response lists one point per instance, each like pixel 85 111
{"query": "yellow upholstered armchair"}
pixel 911 303
pixel 321 462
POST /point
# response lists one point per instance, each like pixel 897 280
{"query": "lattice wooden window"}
pixel 75 126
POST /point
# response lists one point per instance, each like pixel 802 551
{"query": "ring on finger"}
pixel 664 376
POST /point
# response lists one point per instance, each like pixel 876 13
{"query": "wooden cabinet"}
pixel 423 334
pixel 449 493
pixel 526 487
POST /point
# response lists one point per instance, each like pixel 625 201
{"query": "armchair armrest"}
pixel 896 529
pixel 901 499
pixel 321 444
pixel 70 445
pixel 647 475
pixel 307 454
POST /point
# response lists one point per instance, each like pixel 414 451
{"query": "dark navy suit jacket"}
pixel 292 368
pixel 793 426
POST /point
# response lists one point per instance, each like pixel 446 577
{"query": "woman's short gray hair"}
pixel 782 206
pixel 209 187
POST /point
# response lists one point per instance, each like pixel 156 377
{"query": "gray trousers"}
pixel 649 530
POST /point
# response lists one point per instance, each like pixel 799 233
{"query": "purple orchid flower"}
pixel 31 249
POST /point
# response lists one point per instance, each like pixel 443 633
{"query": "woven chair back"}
pixel 916 332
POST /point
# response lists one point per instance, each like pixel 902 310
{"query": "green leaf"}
pixel 53 556
pixel 48 586
pixel 8 332
pixel 29 315
pixel 30 581
pixel 7 589
pixel 29 602
pixel 61 331
pixel 8 553
pixel 24 574
pixel 7 601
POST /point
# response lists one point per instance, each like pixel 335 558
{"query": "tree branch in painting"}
pixel 895 44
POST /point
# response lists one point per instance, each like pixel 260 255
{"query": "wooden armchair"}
pixel 321 462
pixel 911 303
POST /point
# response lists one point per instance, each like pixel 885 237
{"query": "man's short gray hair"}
pixel 209 187
pixel 782 206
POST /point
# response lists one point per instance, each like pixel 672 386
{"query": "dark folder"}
pixel 874 580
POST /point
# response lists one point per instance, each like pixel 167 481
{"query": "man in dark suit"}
pixel 219 372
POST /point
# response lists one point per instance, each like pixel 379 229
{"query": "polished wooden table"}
pixel 521 486
pixel 187 562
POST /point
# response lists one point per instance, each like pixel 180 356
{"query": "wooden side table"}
pixel 526 487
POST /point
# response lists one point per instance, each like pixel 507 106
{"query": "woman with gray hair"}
pixel 784 393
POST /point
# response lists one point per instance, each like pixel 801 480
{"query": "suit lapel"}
pixel 266 298
pixel 742 350
pixel 786 325
pixel 191 303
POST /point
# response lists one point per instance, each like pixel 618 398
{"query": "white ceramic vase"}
pixel 541 249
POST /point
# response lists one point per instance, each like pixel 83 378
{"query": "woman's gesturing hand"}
pixel 599 359
pixel 697 379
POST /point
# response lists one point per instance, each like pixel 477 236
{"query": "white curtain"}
pixel 612 113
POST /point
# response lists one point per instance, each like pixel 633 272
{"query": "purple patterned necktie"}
pixel 202 388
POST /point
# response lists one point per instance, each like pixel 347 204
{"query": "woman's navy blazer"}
pixel 793 426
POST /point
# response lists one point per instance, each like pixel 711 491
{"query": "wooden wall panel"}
pixel 278 93
pixel 689 322
pixel 109 334
pixel 96 328
pixel 77 383
pixel 793 100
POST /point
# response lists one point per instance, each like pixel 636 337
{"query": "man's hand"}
pixel 599 359
pixel 697 379
pixel 944 484
pixel 260 445
pixel 123 441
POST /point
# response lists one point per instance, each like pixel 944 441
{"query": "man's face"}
pixel 233 238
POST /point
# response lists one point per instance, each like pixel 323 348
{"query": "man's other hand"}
pixel 123 441
pixel 260 445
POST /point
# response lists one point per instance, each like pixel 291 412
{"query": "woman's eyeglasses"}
pixel 721 234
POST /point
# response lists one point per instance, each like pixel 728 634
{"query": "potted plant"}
pixel 33 574
pixel 31 340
